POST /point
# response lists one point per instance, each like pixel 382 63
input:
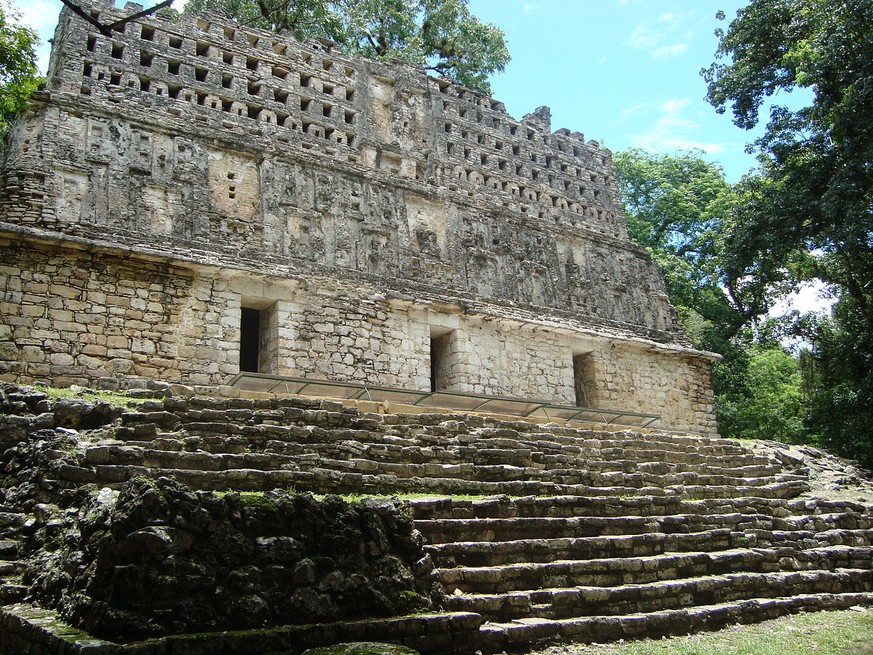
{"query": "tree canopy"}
pixel 679 207
pixel 439 35
pixel 807 214
pixel 19 76
pixel 810 213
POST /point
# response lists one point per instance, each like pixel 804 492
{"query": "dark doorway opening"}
pixel 583 379
pixel 440 360
pixel 249 340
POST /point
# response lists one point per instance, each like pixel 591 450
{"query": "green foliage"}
pixel 439 35
pixel 303 18
pixel 809 213
pixel 773 406
pixel 839 384
pixel 118 399
pixel 678 207
pixel 19 77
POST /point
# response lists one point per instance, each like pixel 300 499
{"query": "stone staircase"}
pixel 574 533
pixel 541 567
pixel 322 446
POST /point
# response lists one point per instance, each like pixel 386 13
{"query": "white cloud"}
pixel 630 112
pixel 672 131
pixel 529 7
pixel 809 297
pixel 665 40
pixel 673 105
pixel 41 15
pixel 670 50
pixel 643 37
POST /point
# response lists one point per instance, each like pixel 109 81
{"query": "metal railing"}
pixel 444 400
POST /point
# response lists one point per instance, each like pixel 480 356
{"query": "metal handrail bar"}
pixel 609 417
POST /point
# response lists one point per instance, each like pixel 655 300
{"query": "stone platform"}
pixel 531 532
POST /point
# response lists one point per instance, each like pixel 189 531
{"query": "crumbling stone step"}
pixel 824 505
pixel 10 568
pixel 491 529
pixel 320 480
pixel 227 437
pixel 429 634
pixel 566 506
pixel 811 539
pixel 469 472
pixel 204 461
pixel 787 489
pixel 449 530
pixel 524 527
pixel 11 592
pixel 11 588
pixel 615 571
pixel 557 603
pixel 8 549
pixel 494 553
pixel 657 461
pixel 518 635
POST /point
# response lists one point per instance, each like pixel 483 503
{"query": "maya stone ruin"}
pixel 182 192
pixel 190 204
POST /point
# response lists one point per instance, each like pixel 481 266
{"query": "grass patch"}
pixel 845 632
pixel 119 399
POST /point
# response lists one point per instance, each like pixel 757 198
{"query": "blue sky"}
pixel 622 72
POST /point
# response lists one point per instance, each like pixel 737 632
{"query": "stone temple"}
pixel 189 208
pixel 188 200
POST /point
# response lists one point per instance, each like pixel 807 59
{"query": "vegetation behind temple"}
pixel 805 216
pixel 441 36
pixel 19 77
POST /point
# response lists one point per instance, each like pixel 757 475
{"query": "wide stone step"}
pixel 862 538
pixel 615 571
pixel 506 529
pixel 494 553
pixel 517 635
pixel 217 434
pixel 350 445
pixel 211 414
pixel 783 489
pixel 321 480
pixel 567 506
pixel 565 602
pixel 206 461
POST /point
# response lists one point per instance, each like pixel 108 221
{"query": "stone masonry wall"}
pixel 76 317
pixel 384 227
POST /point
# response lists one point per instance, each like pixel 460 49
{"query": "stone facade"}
pixel 184 191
